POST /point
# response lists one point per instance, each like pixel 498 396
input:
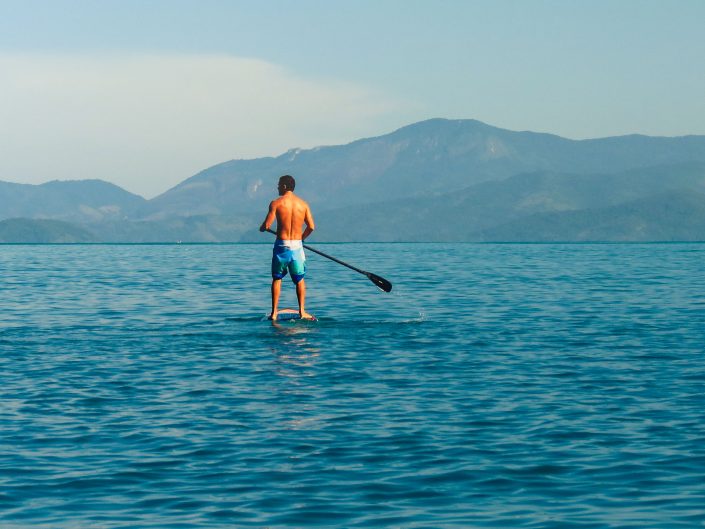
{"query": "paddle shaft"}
pixel 351 267
pixel 377 280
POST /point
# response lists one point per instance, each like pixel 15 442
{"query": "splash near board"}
pixel 290 314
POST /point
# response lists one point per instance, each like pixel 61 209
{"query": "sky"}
pixel 146 93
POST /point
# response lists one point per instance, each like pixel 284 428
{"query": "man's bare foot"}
pixel 306 316
pixel 273 315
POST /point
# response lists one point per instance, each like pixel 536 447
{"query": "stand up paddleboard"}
pixel 290 314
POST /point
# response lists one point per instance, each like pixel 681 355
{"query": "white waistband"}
pixel 292 244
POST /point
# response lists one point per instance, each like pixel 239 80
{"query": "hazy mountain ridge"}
pixel 464 215
pixel 432 156
pixel 196 228
pixel 43 231
pixel 455 180
pixel 677 215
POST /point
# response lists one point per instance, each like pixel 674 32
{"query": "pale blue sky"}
pixel 145 93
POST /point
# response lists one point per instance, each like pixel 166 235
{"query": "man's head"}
pixel 286 183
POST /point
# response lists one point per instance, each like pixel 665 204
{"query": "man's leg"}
pixel 301 296
pixel 276 290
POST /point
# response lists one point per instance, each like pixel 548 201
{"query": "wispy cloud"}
pixel 146 122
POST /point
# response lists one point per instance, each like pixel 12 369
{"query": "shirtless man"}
pixel 291 213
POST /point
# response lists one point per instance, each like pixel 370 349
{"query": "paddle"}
pixel 377 280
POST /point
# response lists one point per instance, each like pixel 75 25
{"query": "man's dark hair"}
pixel 288 181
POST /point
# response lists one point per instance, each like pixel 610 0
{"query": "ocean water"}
pixel 508 386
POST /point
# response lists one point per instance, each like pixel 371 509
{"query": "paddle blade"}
pixel 380 282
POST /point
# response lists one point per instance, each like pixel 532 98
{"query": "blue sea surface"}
pixel 539 386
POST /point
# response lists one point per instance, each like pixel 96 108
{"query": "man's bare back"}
pixel 291 213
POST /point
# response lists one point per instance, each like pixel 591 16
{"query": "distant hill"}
pixel 437 180
pixel 42 231
pixel 72 200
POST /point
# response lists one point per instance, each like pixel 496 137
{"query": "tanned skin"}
pixel 291 213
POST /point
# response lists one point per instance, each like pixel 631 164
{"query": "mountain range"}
pixel 437 180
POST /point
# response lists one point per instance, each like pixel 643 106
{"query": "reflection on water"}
pixel 293 345
pixel 295 357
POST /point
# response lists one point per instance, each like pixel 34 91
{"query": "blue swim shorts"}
pixel 288 255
